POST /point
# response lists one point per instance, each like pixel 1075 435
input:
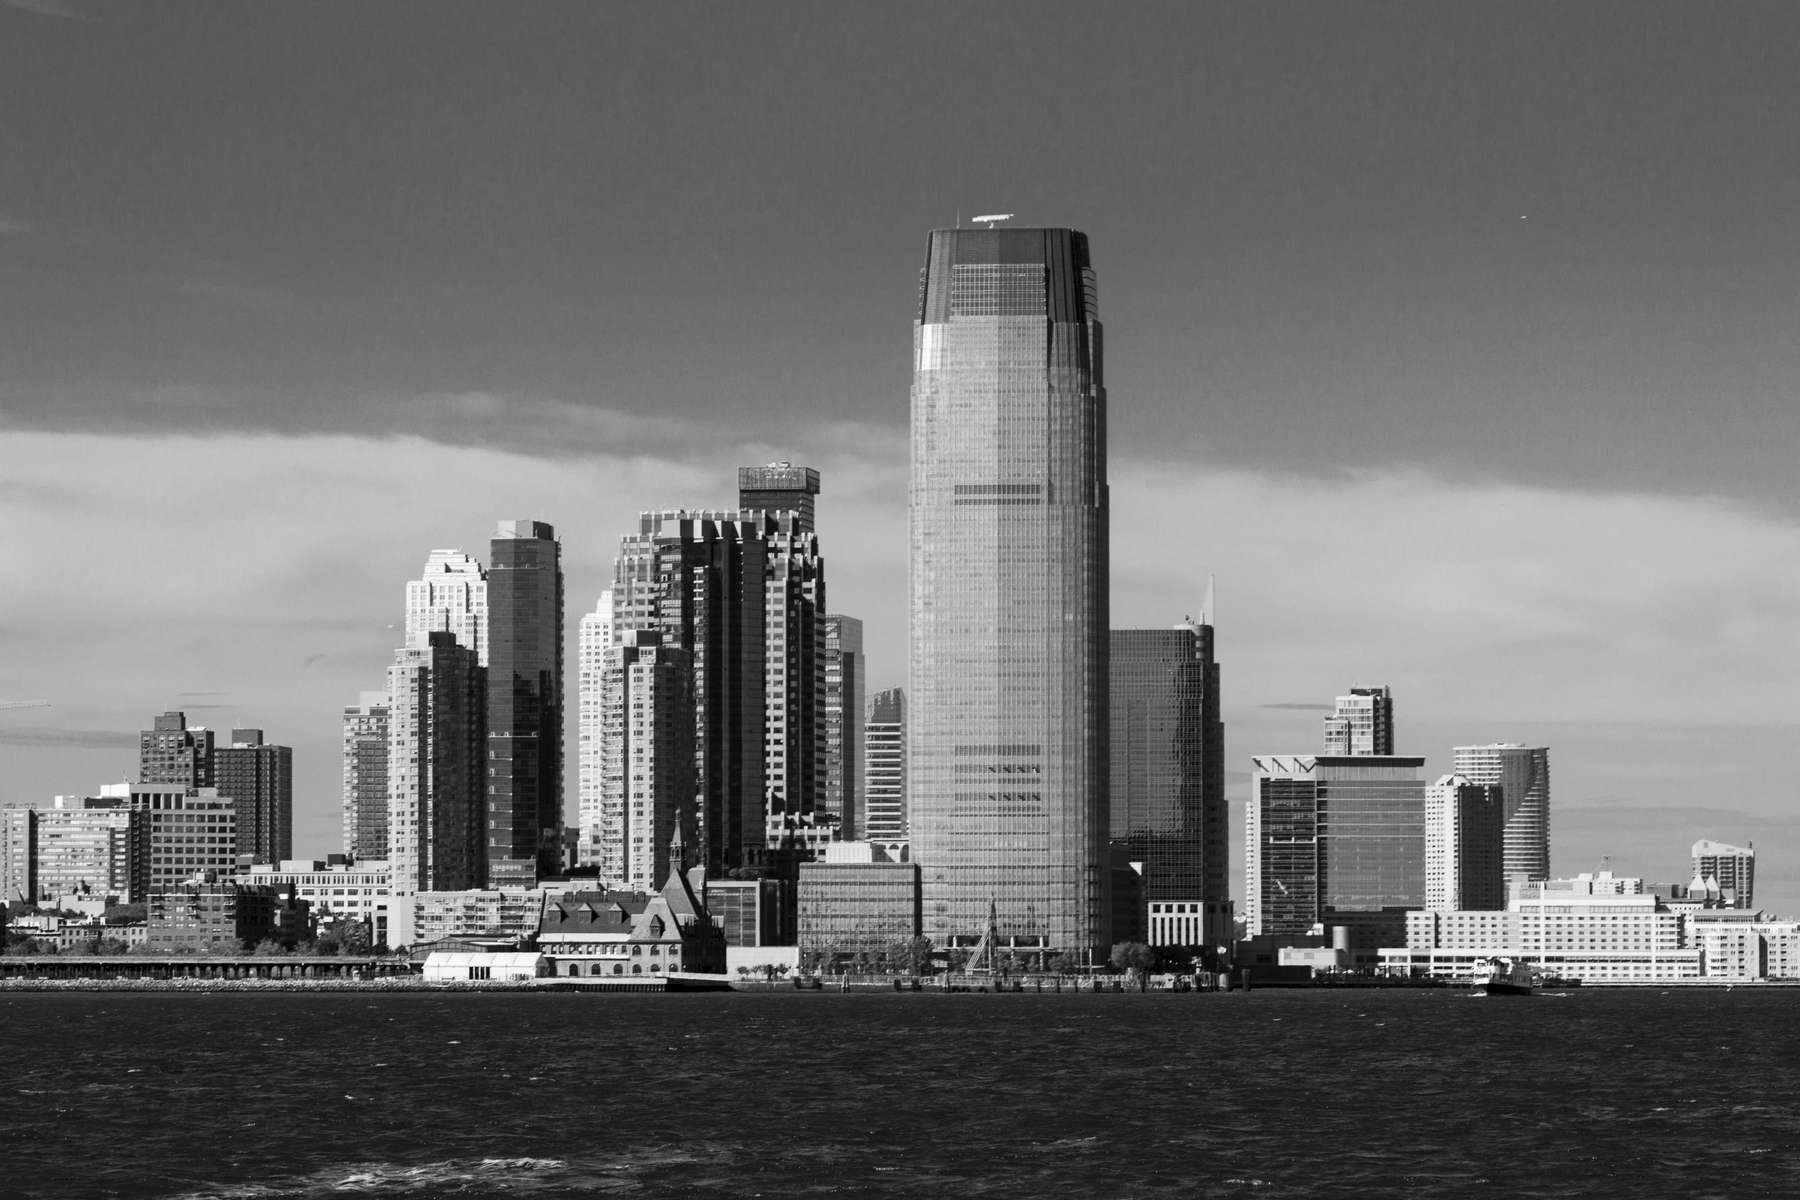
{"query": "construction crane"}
pixel 5 704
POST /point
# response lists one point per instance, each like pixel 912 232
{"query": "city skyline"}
pixel 1510 287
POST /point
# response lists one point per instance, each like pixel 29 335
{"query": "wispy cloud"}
pixel 13 227
pixel 1297 706
pixel 51 8
pixel 86 739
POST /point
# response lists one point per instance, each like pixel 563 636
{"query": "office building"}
pixel 647 794
pixel 260 778
pixel 844 723
pixel 1362 723
pixel 884 767
pixel 200 915
pixel 365 726
pixel 336 889
pixel 1730 871
pixel 1336 841
pixel 857 899
pixel 780 487
pixel 172 752
pixel 1465 826
pixel 450 596
pixel 1167 754
pixel 1523 773
pixel 176 834
pixel 435 745
pixel 1007 679
pixel 524 705
pixel 752 912
pixel 593 642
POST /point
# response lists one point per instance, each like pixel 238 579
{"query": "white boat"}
pixel 1506 977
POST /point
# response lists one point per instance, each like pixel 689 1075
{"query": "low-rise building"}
pixel 336 887
pixel 513 967
pixel 617 935
pixel 857 899
pixel 205 914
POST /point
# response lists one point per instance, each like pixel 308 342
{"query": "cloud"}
pixel 51 8
pixel 1298 706
pixel 86 739
pixel 12 227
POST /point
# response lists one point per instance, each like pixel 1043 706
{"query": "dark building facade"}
pixel 884 768
pixel 436 753
pixel 524 799
pixel 842 792
pixel 260 779
pixel 366 777
pixel 174 753
pixel 866 906
pixel 777 488
pixel 1167 802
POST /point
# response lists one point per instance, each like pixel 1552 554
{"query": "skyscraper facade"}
pixel 1167 795
pixel 78 846
pixel 1007 679
pixel 260 778
pixel 172 752
pixel 524 705
pixel 777 488
pixel 450 595
pixel 1465 827
pixel 1523 773
pixel 366 777
pixel 176 832
pixel 1362 723
pixel 884 768
pixel 593 641
pixel 843 710
pixel 435 761
pixel 1334 840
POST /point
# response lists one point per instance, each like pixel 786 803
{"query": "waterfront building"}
pixel 1523 773
pixel 744 594
pixel 623 934
pixel 524 705
pixel 450 596
pixel 484 914
pixel 751 912
pixel 1334 841
pixel 1007 678
pixel 843 715
pixel 173 752
pixel 884 767
pixel 1167 756
pixel 176 833
pixel 435 757
pixel 335 887
pixel 593 643
pixel 1465 826
pixel 366 777
pixel 260 777
pixel 1362 723
pixel 1597 939
pixel 202 913
pixel 1728 870
pixel 647 795
pixel 856 898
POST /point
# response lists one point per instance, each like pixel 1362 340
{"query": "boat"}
pixel 1506 977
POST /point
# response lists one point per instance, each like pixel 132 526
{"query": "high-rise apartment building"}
pixel 436 758
pixel 1007 679
pixel 1362 723
pixel 172 752
pixel 844 724
pixel 1167 795
pixel 1334 840
pixel 1730 869
pixel 647 796
pixel 78 846
pixel 1465 825
pixel 884 768
pixel 450 595
pixel 744 594
pixel 1523 773
pixel 593 642
pixel 366 777
pixel 260 778
pixel 524 705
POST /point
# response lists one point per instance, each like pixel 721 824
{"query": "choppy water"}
pixel 1269 1095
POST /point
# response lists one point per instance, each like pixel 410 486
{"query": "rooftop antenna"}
pixel 990 218
pixel 1206 609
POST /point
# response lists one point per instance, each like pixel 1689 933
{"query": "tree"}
pixel 916 954
pixel 1136 959
pixel 269 948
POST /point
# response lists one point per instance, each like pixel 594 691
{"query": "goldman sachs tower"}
pixel 1007 737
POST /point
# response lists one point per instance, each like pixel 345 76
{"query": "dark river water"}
pixel 1274 1094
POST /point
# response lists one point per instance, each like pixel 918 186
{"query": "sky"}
pixel 1456 342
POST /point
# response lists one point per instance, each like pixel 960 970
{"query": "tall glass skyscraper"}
pixel 1007 738
pixel 1523 773
pixel 525 705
